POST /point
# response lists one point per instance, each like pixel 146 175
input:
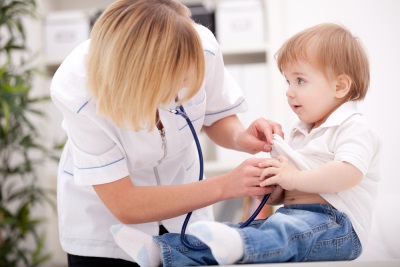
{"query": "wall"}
pixel 376 22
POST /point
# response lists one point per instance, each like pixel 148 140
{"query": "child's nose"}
pixel 289 92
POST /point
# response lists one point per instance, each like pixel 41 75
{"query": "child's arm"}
pixel 331 177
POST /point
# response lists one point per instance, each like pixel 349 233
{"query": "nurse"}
pixel 128 159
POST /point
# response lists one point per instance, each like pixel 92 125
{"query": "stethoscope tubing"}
pixel 184 240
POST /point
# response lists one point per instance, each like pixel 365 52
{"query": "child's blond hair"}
pixel 334 50
pixel 141 53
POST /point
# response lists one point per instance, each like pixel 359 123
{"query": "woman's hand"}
pixel 230 133
pixel 244 180
pixel 258 136
pixel 278 172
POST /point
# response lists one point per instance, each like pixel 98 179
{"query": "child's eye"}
pixel 287 81
pixel 300 81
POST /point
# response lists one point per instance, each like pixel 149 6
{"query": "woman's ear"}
pixel 343 85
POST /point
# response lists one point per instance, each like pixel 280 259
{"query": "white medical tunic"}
pixel 98 152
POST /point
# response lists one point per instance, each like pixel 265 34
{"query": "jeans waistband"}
pixel 311 207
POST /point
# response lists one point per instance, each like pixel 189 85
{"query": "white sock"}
pixel 225 243
pixel 137 244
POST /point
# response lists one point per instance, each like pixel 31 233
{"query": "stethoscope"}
pixel 181 112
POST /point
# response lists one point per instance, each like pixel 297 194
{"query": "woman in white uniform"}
pixel 130 160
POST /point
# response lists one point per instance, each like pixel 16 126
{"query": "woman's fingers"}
pixel 252 167
pixel 252 177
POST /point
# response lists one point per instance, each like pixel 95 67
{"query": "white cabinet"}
pixel 237 52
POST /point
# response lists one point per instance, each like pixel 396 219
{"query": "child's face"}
pixel 310 94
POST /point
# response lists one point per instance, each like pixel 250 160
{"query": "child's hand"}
pixel 278 172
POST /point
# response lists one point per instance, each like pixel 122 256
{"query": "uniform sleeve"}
pixel 95 157
pixel 224 96
pixel 92 156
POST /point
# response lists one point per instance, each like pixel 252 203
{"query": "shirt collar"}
pixel 342 113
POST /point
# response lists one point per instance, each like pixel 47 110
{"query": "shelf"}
pixel 238 49
pixel 53 62
pixel 51 66
pixel 245 53
pixel 233 54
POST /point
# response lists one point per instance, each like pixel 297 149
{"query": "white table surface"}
pixel 356 263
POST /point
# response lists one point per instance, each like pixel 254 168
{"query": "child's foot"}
pixel 225 242
pixel 137 244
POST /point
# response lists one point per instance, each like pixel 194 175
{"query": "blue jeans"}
pixel 294 233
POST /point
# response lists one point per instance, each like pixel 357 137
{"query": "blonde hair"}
pixel 333 49
pixel 141 53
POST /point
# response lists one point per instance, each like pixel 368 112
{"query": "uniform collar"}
pixel 341 114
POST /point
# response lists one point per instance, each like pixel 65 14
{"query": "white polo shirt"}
pixel 344 136
pixel 98 152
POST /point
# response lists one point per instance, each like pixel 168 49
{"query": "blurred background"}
pixel 249 32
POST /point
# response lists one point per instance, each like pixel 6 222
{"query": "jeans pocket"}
pixel 337 243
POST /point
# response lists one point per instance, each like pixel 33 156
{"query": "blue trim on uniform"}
pixel 98 167
pixel 79 110
pixel 222 111
pixel 68 173
pixel 192 121
pixel 209 51
pixel 191 165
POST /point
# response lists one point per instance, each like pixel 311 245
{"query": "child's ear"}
pixel 343 85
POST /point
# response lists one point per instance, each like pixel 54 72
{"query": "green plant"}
pixel 21 152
